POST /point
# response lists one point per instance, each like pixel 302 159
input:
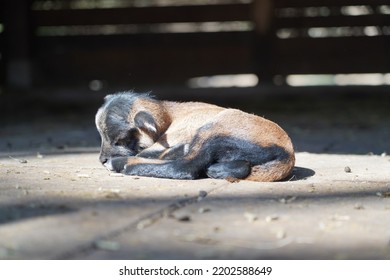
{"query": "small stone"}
pixel 347 169
pixel 106 245
pixel 358 206
pixel 183 218
pixel 116 174
pixel 281 234
pixel 112 194
pixel 202 194
pixel 287 199
pixel 271 218
pixel 216 229
pixel 383 194
pixel 250 217
pixel 19 160
pixel 338 217
pixel 203 210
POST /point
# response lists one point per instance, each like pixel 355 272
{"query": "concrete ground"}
pixel 58 202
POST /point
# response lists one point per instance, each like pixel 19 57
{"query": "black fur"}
pixel 120 135
pixel 238 169
pixel 175 152
pixel 220 157
pixel 177 169
pixel 118 163
pixel 211 152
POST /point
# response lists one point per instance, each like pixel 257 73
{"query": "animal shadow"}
pixel 300 173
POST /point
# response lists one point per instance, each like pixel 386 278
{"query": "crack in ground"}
pixel 103 242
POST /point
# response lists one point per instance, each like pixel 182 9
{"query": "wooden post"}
pixel 263 15
pixel 17 37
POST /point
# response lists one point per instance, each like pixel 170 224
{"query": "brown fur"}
pixel 180 123
pixel 246 126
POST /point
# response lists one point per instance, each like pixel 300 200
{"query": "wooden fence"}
pixel 159 42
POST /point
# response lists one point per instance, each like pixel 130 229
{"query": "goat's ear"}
pixel 145 122
pixel 108 97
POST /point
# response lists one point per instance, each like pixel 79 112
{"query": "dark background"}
pixel 59 58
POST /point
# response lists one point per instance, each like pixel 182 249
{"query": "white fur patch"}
pixel 108 165
pixel 186 148
pixel 150 127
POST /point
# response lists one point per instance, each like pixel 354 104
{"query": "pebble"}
pixel 358 206
pixel 287 199
pixel 383 194
pixel 19 160
pixel 250 217
pixel 271 218
pixel 183 218
pixel 116 175
pixel 281 234
pixel 106 245
pixel 338 217
pixel 202 194
pixel 112 195
pixel 203 210
pixel 347 169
